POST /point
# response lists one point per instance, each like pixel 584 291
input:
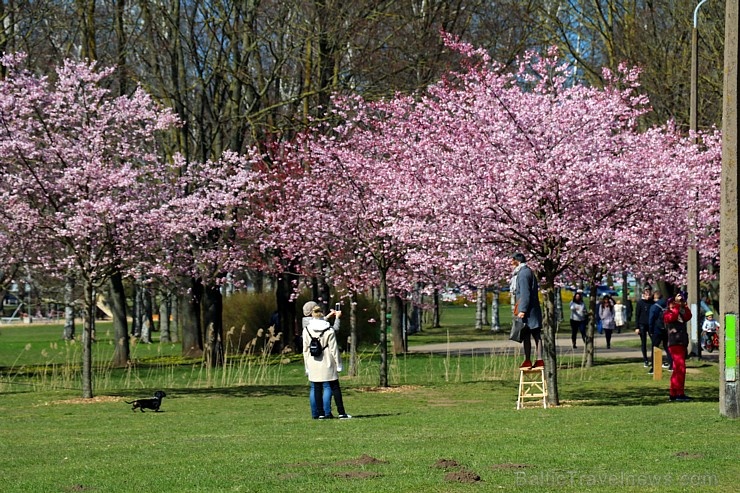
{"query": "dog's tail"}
pixel 127 402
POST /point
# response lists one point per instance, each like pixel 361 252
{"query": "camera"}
pixel 337 307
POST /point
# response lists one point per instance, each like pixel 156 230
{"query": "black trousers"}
pixel 661 341
pixel 643 330
pixel 575 327
pixel 336 392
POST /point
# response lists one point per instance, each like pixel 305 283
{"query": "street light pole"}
pixel 692 277
pixel 729 280
pixel 694 67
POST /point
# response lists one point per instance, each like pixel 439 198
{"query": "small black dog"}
pixel 152 403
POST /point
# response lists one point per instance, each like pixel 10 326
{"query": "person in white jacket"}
pixel 620 315
pixel 323 371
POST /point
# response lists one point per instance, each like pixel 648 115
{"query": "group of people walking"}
pixel 611 316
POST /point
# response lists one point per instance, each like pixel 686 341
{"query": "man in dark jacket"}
pixel 642 314
pixel 525 291
pixel 658 334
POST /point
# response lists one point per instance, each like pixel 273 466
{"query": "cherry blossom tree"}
pixel 11 249
pixel 199 240
pixel 78 168
pixel 558 170
pixel 489 162
pixel 348 199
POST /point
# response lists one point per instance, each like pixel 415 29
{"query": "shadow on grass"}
pixel 254 391
pixel 370 416
pixel 639 395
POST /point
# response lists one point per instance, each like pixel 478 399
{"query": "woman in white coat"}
pixel 323 370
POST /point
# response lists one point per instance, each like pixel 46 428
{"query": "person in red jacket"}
pixel 675 317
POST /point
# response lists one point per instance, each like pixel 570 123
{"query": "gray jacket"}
pixel 527 297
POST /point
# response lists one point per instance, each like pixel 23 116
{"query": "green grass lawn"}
pixel 447 424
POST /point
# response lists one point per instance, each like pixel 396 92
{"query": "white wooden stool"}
pixel 532 385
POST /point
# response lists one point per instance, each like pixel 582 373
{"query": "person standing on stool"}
pixel 524 290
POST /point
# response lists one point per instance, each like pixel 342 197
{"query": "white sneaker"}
pixel 345 416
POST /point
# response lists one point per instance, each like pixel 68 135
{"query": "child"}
pixel 708 331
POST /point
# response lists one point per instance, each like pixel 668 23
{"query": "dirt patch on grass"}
pixel 360 462
pixel 445 464
pixel 388 390
pixel 462 476
pixel 458 474
pixel 95 400
pixel 363 460
pixel 571 403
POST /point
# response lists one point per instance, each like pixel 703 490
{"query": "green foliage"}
pixel 368 323
pixel 368 320
pixel 244 314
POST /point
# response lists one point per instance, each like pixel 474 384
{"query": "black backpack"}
pixel 658 311
pixel 315 348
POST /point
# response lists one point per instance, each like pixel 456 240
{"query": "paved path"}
pixel 504 346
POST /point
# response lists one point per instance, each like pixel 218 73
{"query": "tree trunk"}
pixel 591 327
pixel 324 291
pixel 383 328
pixel 192 334
pixel 549 346
pixel 213 321
pixel 353 336
pixel 69 309
pixel 495 320
pixel 147 314
pixel 258 281
pixel 315 291
pixel 175 312
pixel 86 12
pixel 165 310
pixel 136 310
pixel 7 35
pixel 146 331
pixel 435 317
pixel 289 323
pixel 120 31
pixel 149 305
pixel 397 325
pixel 480 309
pixel 414 324
pixel 87 338
pixel 625 297
pixel 117 297
pixel 229 286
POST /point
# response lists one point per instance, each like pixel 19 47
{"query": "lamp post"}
pixel 694 67
pixel 729 280
pixel 692 278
